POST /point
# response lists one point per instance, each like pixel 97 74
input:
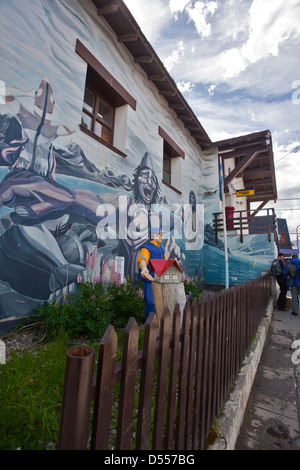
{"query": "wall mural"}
pixel 61 204
pixel 57 208
pixel 247 259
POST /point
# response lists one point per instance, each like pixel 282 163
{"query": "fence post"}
pixel 126 404
pixel 76 399
pixel 162 376
pixel 146 382
pixel 172 389
pixel 182 382
pixel 104 390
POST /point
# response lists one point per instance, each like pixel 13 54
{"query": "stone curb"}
pixel 230 422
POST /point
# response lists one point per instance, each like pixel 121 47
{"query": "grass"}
pixel 31 387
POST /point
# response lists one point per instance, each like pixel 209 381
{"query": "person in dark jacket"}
pixel 281 301
pixel 292 275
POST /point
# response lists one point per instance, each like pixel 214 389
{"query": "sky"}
pixel 237 64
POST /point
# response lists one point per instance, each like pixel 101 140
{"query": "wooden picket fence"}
pixel 167 395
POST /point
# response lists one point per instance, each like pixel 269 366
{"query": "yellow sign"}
pixel 245 192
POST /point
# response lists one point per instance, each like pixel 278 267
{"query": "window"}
pixel 282 238
pixel 172 156
pixel 105 104
pixel 97 116
pixel 167 168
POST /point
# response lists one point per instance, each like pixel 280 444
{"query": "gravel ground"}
pixel 26 338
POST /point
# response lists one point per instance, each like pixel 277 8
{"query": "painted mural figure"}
pixel 34 233
pixel 40 133
pixel 151 250
pixel 145 192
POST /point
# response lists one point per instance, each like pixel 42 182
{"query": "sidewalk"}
pixel 272 417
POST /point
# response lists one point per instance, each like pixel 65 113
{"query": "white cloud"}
pixel 178 5
pixel 231 63
pixel 271 23
pixel 152 17
pixel 211 89
pixel 175 57
pixel 199 15
pixel 184 87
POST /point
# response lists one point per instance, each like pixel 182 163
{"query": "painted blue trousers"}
pixel 149 299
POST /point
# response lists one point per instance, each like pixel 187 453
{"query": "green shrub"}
pixel 125 302
pixel 89 311
pixel 192 289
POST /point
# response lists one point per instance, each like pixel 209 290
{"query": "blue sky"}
pixel 237 63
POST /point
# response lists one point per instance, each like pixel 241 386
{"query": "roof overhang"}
pixel 121 21
pixel 254 162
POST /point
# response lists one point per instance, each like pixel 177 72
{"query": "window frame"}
pixel 117 93
pixel 94 115
pixel 171 151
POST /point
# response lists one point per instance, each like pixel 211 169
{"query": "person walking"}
pixel 291 273
pixel 277 268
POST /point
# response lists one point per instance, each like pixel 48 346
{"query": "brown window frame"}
pixel 170 150
pixel 95 118
pixel 107 89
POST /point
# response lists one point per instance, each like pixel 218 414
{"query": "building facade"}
pixel 97 146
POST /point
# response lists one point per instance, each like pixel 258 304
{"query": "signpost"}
pixel 222 198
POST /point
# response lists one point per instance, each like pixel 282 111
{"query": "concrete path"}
pixel 272 417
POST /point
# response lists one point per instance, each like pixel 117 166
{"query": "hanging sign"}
pixel 245 192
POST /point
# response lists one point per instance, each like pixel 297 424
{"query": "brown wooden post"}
pixel 128 378
pixel 190 379
pixel 145 396
pixel 180 422
pixel 198 373
pixel 104 390
pixel 204 381
pixel 162 375
pixel 76 402
pixel 172 392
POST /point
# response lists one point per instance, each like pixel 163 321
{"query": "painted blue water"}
pixel 241 269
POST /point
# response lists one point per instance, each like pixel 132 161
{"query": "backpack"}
pixel 276 268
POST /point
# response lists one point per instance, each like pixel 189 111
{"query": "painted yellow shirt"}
pixel 145 254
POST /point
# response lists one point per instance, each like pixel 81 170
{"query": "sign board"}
pixel 245 192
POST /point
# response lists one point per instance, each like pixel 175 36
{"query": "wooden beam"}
pixel 108 10
pixel 240 168
pixel 128 37
pixel 185 117
pixel 147 59
pixel 179 107
pixel 157 78
pixel 171 142
pixel 242 152
pixel 253 214
pixel 167 92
